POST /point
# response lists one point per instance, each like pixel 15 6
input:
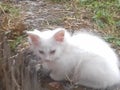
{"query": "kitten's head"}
pixel 48 45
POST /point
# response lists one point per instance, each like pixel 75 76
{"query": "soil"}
pixel 43 14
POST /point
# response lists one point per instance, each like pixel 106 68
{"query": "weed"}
pixel 10 17
pixel 14 43
pixel 12 23
pixel 113 40
pixel 103 12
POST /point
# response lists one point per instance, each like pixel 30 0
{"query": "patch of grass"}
pixel 113 40
pixel 14 43
pixel 11 19
pixel 9 8
pixel 104 12
pixel 12 22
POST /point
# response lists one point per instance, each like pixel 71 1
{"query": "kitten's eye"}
pixel 52 52
pixel 41 52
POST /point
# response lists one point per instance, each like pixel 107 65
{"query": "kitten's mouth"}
pixel 46 61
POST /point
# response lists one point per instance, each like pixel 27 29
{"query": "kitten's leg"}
pixel 56 73
pixel 57 76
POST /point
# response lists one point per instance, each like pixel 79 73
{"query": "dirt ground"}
pixel 43 14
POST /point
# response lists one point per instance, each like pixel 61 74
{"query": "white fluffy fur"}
pixel 86 59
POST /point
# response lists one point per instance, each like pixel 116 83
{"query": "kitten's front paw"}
pixel 56 77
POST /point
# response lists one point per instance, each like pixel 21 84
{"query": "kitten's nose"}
pixel 47 58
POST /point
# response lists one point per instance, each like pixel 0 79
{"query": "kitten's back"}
pixel 94 44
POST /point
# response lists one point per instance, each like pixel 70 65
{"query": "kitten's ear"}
pixel 59 36
pixel 33 38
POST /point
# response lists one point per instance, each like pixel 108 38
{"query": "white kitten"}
pixel 86 59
